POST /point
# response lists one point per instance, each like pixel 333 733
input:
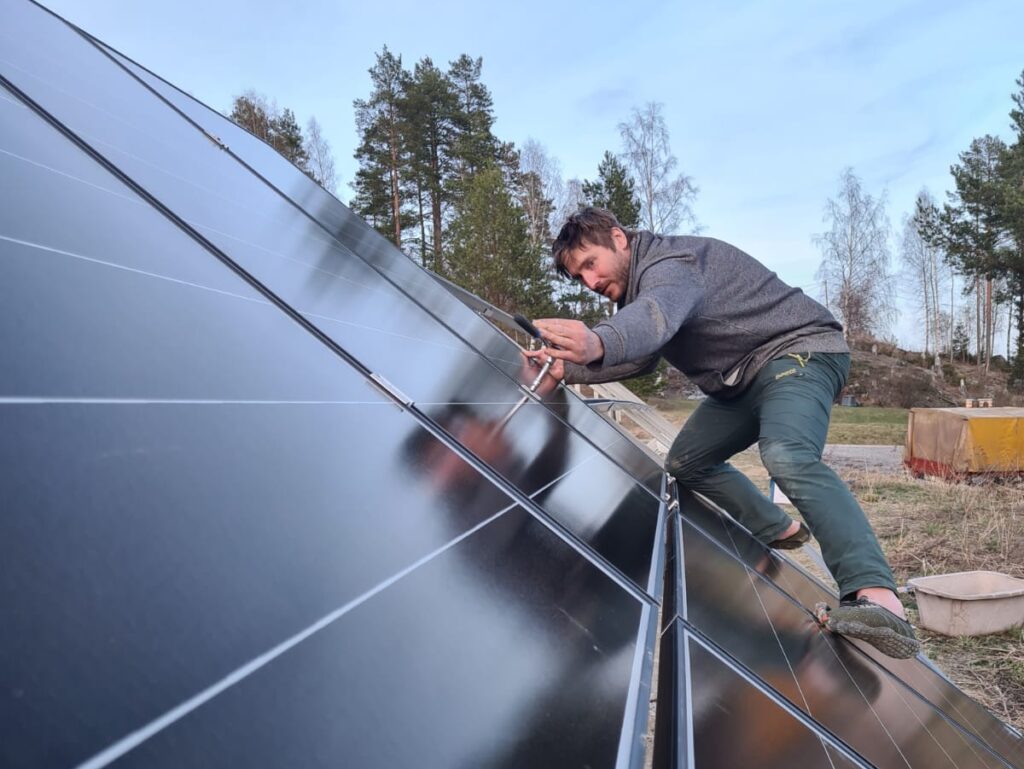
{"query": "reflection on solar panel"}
pixel 260 509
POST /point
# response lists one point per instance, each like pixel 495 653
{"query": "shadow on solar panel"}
pixel 263 504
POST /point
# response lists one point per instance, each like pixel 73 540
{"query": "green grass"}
pixel 863 426
pixel 859 415
pixel 867 425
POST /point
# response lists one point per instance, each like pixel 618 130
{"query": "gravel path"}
pixel 883 459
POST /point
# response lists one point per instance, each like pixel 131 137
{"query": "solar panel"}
pixel 888 712
pixel 260 508
pixel 918 676
pixel 724 703
pixel 267 237
pixel 423 673
pixel 419 287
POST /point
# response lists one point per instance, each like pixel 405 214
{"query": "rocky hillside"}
pixel 884 375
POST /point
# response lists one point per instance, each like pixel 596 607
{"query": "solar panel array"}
pixel 260 507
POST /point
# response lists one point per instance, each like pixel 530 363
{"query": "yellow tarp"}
pixel 961 441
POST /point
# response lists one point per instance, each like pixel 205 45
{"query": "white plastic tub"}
pixel 969 602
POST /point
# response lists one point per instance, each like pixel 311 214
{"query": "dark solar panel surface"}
pixel 224 545
pixel 725 704
pixel 416 286
pixel 200 492
pixel 889 712
pixel 350 303
pixel 918 676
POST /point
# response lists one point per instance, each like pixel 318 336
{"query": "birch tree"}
pixel 926 272
pixel 321 162
pixel 570 201
pixel 666 195
pixel 539 188
pixel 855 259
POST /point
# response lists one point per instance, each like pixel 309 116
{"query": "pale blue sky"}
pixel 766 102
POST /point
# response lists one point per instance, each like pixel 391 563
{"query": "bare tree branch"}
pixel 855 260
pixel 666 198
pixel 321 162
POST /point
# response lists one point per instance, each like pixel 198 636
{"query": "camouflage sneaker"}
pixel 792 542
pixel 872 623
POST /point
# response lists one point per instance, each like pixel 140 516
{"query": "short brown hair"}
pixel 590 225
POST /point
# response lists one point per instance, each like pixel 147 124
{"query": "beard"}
pixel 621 273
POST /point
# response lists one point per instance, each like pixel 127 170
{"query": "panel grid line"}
pixel 134 739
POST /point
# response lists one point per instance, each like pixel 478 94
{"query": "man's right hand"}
pixel 572 339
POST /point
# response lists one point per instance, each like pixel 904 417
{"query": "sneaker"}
pixel 872 623
pixel 793 541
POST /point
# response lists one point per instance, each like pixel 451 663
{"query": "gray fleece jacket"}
pixel 712 311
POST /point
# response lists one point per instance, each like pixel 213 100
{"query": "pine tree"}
pixel 476 145
pixel 580 303
pixel 972 229
pixel 254 113
pixel 961 342
pixel 614 190
pixel 431 107
pixel 286 138
pixel 475 152
pixel 1011 177
pixel 260 116
pixel 382 195
pixel 490 249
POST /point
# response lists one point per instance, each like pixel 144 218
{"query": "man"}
pixel 771 361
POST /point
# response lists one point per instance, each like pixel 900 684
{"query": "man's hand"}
pixel 577 342
pixel 555 374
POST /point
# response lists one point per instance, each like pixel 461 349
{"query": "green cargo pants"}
pixel 786 411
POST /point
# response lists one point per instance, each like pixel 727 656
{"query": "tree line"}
pixel 974 239
pixel 435 179
pixel 310 152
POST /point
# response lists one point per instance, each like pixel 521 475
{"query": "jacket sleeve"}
pixel 595 374
pixel 670 292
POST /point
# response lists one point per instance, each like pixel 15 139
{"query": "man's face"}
pixel 602 269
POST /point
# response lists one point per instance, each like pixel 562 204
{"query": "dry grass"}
pixel 926 527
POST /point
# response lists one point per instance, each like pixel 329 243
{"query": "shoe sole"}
pixel 890 642
pixel 886 640
pixel 794 541
pixel 785 544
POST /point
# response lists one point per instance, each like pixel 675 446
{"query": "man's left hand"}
pixel 577 343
